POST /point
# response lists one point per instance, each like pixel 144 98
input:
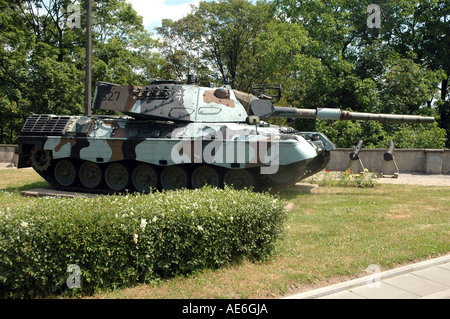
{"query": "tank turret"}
pixel 170 135
pixel 172 100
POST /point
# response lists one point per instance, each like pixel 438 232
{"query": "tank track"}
pixel 50 178
pixel 48 175
pixel 301 171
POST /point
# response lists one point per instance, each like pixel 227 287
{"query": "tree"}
pixel 42 58
pixel 420 136
pixel 434 49
pixel 370 69
pixel 123 49
pixel 15 48
pixel 217 36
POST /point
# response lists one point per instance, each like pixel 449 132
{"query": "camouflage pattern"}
pixel 172 135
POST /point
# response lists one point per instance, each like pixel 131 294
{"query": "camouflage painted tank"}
pixel 173 135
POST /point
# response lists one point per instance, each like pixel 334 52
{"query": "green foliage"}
pixel 420 136
pixel 395 69
pixel 216 42
pixel 42 60
pixel 124 240
pixel 405 86
pixel 347 134
pixel 322 52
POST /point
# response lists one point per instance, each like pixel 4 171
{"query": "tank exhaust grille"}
pixel 44 125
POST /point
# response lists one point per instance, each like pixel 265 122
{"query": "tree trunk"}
pixel 444 89
pixel 444 111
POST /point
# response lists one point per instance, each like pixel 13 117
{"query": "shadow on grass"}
pixel 291 195
pixel 340 191
pixel 41 184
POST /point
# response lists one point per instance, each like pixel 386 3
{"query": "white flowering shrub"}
pixel 129 239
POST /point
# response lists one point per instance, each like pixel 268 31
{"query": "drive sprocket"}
pixel 41 159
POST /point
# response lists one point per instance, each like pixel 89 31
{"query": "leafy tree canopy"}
pixel 324 53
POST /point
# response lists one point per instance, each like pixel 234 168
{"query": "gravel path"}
pixel 418 179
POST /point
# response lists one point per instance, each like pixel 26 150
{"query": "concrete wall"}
pixel 8 154
pixel 426 161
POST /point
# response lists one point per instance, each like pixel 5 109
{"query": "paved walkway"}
pixel 424 280
pixel 418 179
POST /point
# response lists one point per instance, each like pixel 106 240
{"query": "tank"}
pixel 171 135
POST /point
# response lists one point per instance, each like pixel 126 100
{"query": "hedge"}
pixel 123 240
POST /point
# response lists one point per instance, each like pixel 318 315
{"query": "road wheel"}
pixel 205 175
pixel 90 175
pixel 240 179
pixel 174 177
pixel 65 173
pixel 117 177
pixel 144 178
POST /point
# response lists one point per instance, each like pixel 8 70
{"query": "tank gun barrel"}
pixel 339 115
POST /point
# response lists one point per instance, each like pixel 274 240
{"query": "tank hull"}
pixel 116 154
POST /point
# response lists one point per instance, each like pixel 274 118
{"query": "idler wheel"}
pixel 174 177
pixel 90 175
pixel 40 159
pixel 205 175
pixel 117 177
pixel 65 173
pixel 240 179
pixel 144 178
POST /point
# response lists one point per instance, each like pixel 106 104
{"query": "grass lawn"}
pixel 330 236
